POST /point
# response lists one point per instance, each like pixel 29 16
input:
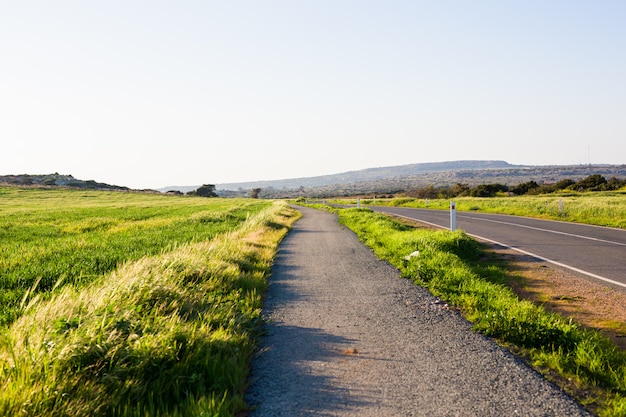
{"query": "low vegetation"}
pixel 167 332
pixel 450 265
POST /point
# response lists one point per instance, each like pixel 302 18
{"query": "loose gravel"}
pixel 346 336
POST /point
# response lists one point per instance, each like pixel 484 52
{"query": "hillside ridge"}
pixel 384 181
pixel 402 178
pixel 57 180
pixel 367 174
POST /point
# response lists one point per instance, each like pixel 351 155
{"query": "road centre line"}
pixel 562 265
pixel 548 230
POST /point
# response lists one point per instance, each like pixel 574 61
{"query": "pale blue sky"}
pixel 152 93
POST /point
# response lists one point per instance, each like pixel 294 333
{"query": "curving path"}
pixel 345 336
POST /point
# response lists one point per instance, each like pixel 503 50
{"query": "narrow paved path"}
pixel 347 337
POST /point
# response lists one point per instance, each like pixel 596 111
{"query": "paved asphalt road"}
pixel 346 336
pixel 597 252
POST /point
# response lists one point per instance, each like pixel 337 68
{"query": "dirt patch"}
pixel 589 303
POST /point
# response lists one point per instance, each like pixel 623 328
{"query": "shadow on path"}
pixel 304 362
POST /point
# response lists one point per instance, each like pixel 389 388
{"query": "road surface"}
pixel 346 336
pixel 596 252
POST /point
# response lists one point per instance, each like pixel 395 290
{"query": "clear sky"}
pixel 154 93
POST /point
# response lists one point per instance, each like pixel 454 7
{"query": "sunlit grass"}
pixel 55 237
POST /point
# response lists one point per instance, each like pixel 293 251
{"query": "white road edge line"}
pixel 547 230
pixel 562 265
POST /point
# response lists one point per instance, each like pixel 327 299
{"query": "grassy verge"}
pixel 598 208
pixel 165 335
pixel 450 265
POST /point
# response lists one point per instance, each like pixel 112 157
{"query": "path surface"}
pixel 347 337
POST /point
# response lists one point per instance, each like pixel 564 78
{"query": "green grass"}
pixel 598 208
pixel 168 334
pixel 52 237
pixel 451 266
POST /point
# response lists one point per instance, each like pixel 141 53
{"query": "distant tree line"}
pixel 595 182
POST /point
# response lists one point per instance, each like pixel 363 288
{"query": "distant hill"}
pixel 370 174
pixel 57 180
pixel 371 181
pixel 364 175
pixel 397 185
pixel 400 179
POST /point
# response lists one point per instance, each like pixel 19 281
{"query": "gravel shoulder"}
pixel 588 302
pixel 346 336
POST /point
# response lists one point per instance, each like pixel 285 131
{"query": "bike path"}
pixel 346 336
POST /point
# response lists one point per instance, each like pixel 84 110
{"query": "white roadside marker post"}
pixel 452 216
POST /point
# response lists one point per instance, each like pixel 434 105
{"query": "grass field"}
pixel 53 237
pixel 127 304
